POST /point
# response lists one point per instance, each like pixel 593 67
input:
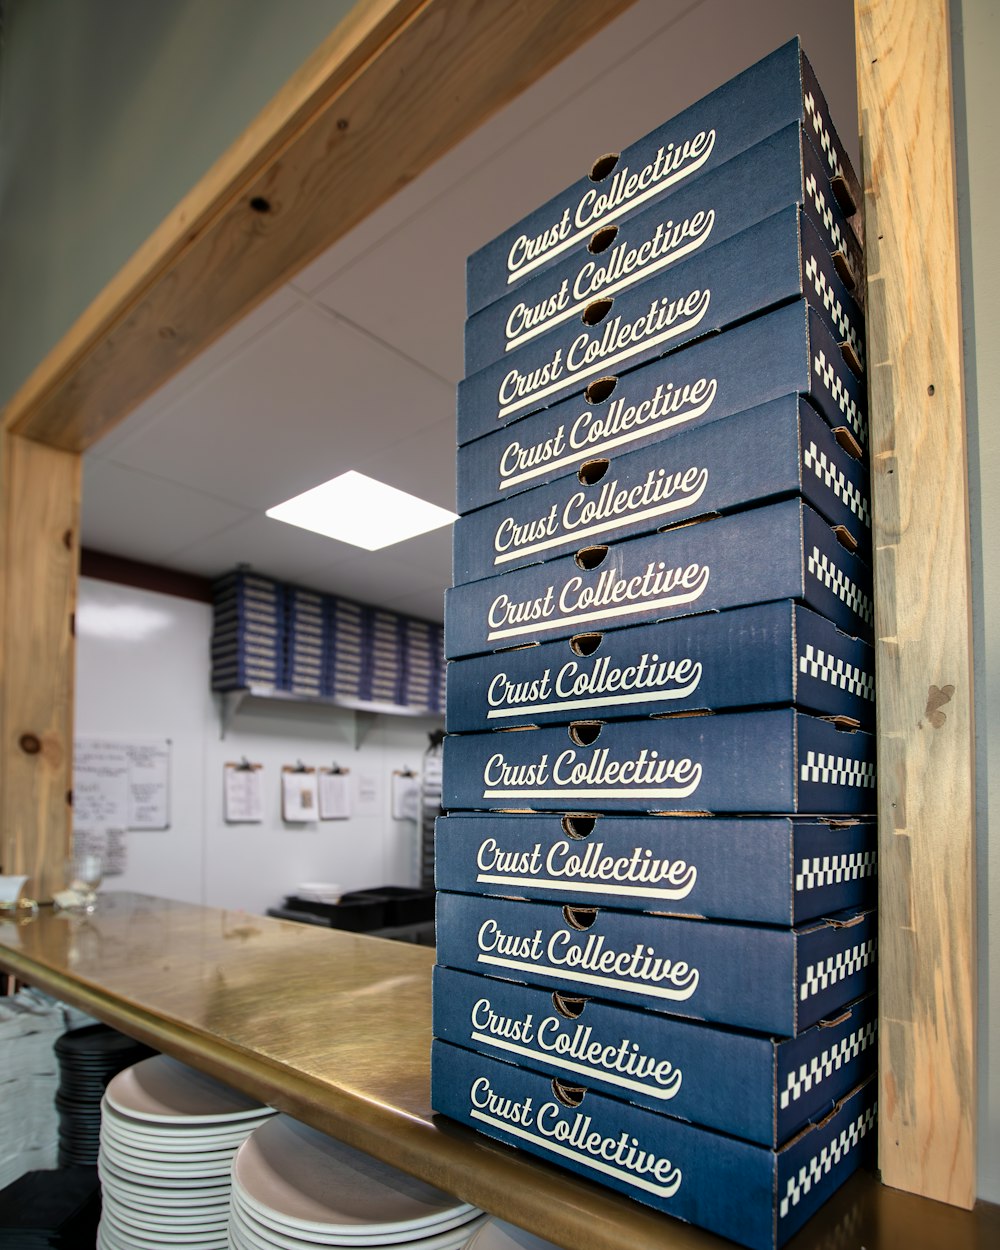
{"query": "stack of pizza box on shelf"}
pixel 656 877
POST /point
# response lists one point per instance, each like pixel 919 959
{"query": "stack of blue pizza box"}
pixel 656 877
pixel 345 632
pixel 423 667
pixel 307 655
pixel 248 631
pixel 385 650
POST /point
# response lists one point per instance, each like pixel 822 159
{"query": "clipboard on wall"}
pixel 405 794
pixel 242 799
pixel 299 794
pixel 334 793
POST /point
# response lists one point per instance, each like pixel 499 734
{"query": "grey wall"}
pixel 976 43
pixel 110 111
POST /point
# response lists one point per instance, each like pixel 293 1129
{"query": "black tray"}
pixel 404 904
pixel 357 912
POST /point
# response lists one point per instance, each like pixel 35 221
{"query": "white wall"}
pixel 142 671
pixel 976 45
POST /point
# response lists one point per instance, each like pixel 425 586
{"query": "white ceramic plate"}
pixel 155 1189
pixel 176 1136
pixel 212 1170
pixel 305 1180
pixel 202 1185
pixel 173 1233
pixel 161 1090
pixel 181 1217
pixel 277 1238
pixel 109 1238
pixel 141 1152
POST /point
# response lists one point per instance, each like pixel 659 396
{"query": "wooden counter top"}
pixel 334 1028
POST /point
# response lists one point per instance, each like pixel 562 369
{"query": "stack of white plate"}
pixel 319 891
pixel 168 1136
pixel 294 1189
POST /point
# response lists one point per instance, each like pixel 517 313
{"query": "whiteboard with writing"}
pixel 121 783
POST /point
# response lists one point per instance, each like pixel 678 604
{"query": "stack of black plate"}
pixel 88 1059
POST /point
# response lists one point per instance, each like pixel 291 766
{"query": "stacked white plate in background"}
pixel 295 1188
pixel 168 1137
pixel 319 891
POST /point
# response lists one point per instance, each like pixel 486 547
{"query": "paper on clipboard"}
pixel 242 802
pixel 405 794
pixel 334 794
pixel 299 795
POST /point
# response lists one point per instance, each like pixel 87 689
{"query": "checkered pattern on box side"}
pixel 826 769
pixel 825 371
pixel 823 1065
pixel 815 662
pixel 821 870
pixel 826 143
pixel 834 968
pixel 826 213
pixel 834 480
pixel 835 579
pixel 820 1164
pixel 834 307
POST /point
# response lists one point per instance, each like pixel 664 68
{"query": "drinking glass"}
pixel 85 871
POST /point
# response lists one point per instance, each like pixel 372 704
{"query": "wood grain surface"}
pixel 40 504
pixel 922 575
pixel 391 89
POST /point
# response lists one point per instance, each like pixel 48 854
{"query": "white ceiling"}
pixel 353 365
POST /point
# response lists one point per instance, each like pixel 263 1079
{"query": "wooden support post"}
pixel 922 575
pixel 39 519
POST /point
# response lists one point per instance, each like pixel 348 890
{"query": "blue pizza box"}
pixel 785 352
pixel 243 583
pixel 774 452
pixel 248 616
pixel 240 676
pixel 759 1088
pixel 776 981
pixel 771 760
pixel 775 870
pixel 780 551
pixel 780 171
pixel 232 645
pixel 753 1194
pixel 770 654
pixel 778 260
pixel 777 91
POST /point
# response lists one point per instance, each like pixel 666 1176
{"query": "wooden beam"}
pixel 39 520
pixel 922 574
pixel 392 88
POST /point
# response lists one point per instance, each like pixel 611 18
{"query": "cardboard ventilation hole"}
pixel 599 390
pixel 569 1095
pixel 596 311
pixel 844 271
pixel 578 827
pixel 570 1008
pixel 584 733
pixel 585 644
pixel 591 471
pixel 591 557
pixel 603 166
pixel 580 918
pixel 602 239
